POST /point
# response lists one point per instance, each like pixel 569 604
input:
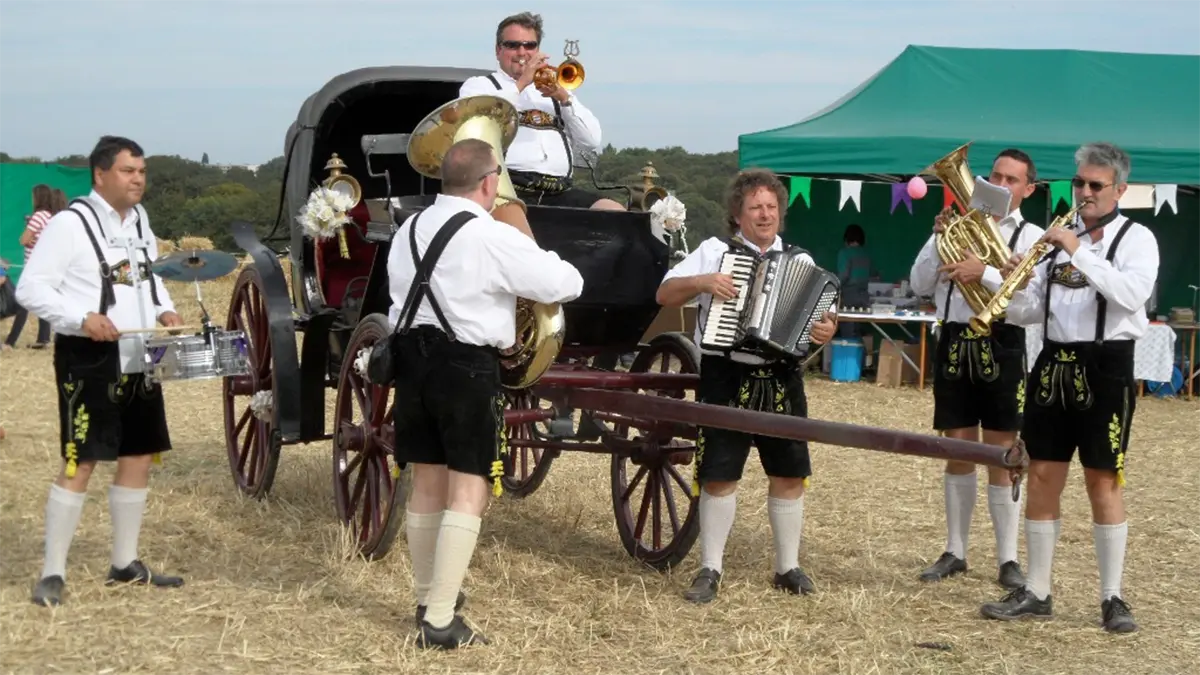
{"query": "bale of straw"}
pixel 166 246
pixel 195 243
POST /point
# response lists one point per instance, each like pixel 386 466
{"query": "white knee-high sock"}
pixel 1110 554
pixel 716 520
pixel 126 506
pixel 960 508
pixel 1041 536
pixel 787 526
pixel 422 531
pixel 456 541
pixel 63 509
pixel 1006 521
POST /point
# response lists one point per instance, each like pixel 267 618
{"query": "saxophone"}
pixel 998 304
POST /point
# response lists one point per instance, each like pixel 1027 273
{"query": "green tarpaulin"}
pixel 16 201
pixel 930 100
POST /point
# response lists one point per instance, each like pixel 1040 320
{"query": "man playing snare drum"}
pixel 756 208
pixel 78 278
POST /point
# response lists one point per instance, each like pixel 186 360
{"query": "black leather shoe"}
pixel 1010 576
pixel 704 587
pixel 48 591
pixel 457 634
pixel 138 573
pixel 458 604
pixel 1018 605
pixel 795 581
pixel 946 566
pixel 1116 616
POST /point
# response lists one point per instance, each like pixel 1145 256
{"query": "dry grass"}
pixel 270 589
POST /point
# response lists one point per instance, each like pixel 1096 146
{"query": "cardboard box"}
pixel 893 371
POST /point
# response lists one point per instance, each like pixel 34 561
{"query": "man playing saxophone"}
pixel 1090 297
pixel 979 379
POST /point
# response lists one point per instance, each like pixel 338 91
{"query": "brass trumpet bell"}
pixel 568 75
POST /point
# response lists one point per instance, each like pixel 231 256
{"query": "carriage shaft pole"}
pixel 795 428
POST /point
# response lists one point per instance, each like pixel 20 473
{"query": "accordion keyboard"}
pixel 722 326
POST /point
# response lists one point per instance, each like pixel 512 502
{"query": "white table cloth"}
pixel 1153 353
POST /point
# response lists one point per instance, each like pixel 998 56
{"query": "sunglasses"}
pixel 1093 185
pixel 517 44
pixel 493 171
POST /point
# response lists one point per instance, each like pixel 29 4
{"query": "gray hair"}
pixel 527 20
pixel 1105 154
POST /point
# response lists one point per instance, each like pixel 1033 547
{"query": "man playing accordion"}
pixel 756 210
pixel 978 381
pixel 1091 299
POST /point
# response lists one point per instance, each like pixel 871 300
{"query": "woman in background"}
pixel 855 271
pixel 46 203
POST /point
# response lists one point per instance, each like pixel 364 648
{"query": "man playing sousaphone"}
pixel 553 124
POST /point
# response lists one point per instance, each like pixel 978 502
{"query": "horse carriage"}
pixel 355 131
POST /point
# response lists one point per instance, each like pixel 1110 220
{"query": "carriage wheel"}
pixel 367 485
pixel 524 468
pixel 658 519
pixel 252 438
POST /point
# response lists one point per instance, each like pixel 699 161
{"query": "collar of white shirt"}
pixel 776 245
pixel 455 202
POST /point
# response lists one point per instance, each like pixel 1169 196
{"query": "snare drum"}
pixel 192 357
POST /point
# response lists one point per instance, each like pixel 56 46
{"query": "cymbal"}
pixel 194 265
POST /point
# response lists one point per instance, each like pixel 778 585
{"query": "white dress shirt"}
pixel 706 259
pixel 1126 283
pixel 61 281
pixel 537 149
pixel 926 281
pixel 484 268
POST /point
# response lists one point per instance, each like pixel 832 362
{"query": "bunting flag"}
pixel 900 194
pixel 1060 190
pixel 800 187
pixel 1165 194
pixel 851 191
pixel 948 198
pixel 1137 197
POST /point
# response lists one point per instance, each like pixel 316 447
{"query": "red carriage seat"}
pixel 344 280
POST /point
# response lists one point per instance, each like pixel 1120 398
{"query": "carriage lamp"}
pixel 342 182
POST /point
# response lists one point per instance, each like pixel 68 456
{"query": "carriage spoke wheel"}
pixel 657 516
pixel 367 486
pixel 524 467
pixel 252 439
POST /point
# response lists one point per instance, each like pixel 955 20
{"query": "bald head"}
pixel 466 164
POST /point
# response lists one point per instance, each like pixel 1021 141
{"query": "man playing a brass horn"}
pixel 553 124
pixel 449 408
pixel 978 381
pixel 1091 299
pixel 756 209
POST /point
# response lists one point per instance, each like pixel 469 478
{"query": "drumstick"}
pixel 156 329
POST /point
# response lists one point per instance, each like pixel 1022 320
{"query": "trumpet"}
pixel 982 322
pixel 568 75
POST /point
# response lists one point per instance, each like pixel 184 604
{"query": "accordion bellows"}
pixel 780 296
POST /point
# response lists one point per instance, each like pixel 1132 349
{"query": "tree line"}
pixel 197 199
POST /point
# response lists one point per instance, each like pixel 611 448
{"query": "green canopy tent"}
pixel 930 100
pixel 17 181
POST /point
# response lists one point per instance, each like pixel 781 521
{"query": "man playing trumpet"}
pixel 978 381
pixel 1091 299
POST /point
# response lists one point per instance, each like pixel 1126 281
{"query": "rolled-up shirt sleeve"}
pixel 40 287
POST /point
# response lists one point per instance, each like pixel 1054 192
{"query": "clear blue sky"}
pixel 226 77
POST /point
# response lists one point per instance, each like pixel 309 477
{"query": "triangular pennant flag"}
pixel 800 186
pixel 1137 197
pixel 1165 194
pixel 900 194
pixel 1060 190
pixel 851 191
pixel 948 198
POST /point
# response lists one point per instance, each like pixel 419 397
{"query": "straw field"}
pixel 270 587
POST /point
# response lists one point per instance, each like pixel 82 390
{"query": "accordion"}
pixel 780 296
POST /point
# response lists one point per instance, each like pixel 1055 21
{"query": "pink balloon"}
pixel 917 187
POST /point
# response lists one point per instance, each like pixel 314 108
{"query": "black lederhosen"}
pixel 449 405
pixel 979 380
pixel 779 388
pixel 1080 395
pixel 103 414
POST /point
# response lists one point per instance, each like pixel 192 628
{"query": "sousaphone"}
pixel 541 328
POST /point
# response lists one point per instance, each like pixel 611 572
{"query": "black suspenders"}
pixel 108 296
pixel 1101 301
pixel 420 286
pixel 1012 242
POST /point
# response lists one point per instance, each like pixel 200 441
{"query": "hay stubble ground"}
pixel 270 588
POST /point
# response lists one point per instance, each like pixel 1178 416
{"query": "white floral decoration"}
pixel 325 213
pixel 668 213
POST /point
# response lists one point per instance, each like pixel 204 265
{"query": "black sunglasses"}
pixel 493 171
pixel 516 44
pixel 1095 185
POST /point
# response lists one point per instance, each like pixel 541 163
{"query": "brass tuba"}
pixel 974 230
pixel 569 74
pixel 541 328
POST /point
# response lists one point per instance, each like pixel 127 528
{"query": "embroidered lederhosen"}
pixel 968 354
pixel 1092 380
pixel 533 181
